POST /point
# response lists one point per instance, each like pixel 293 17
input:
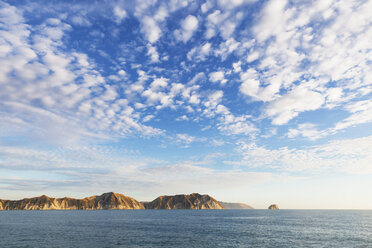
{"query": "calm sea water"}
pixel 186 228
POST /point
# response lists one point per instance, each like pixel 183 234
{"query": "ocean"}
pixel 186 228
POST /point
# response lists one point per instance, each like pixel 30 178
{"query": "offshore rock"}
pixel 192 201
pixel 230 205
pixel 105 201
pixel 273 206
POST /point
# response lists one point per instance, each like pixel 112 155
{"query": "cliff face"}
pixel 112 201
pixel 192 201
pixel 105 201
pixel 273 206
pixel 230 205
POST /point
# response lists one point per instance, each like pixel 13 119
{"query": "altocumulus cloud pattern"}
pixel 206 96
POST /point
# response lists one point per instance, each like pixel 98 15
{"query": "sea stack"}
pixel 273 206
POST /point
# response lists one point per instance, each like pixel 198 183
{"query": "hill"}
pixel 105 201
pixel 192 201
pixel 230 205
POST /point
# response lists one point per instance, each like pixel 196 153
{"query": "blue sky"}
pixel 249 101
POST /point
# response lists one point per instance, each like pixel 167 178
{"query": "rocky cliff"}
pixel 112 201
pixel 105 201
pixel 273 206
pixel 192 201
pixel 230 205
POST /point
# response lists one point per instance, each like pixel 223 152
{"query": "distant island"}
pixel 273 207
pixel 230 205
pixel 192 201
pixel 105 201
pixel 113 200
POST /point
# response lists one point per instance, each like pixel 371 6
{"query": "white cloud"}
pixel 80 20
pixel 148 118
pixel 55 83
pixel 200 53
pixel 307 130
pixel 226 48
pixel 5 49
pixel 151 29
pixel 253 86
pixel 206 6
pixel 223 21
pixel 272 21
pixel 228 28
pixel 331 61
pixel 228 4
pixel 185 139
pixel 250 83
pixel 161 94
pixel 119 13
pixel 159 83
pixel 182 118
pixel 214 98
pixel 153 14
pixel 205 49
pixel 289 106
pixel 153 53
pixel 349 155
pixel 228 123
pixel 253 56
pixel 162 13
pixel 213 21
pixel 217 76
pixel 121 73
pixel 198 79
pixel 237 66
pixel 217 143
pixel 189 26
pixel 334 94
pixel 361 112
pixel 237 125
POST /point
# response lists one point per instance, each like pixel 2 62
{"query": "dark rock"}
pixel 273 206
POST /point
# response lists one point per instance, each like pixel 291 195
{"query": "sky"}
pixel 257 102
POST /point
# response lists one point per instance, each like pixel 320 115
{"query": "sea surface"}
pixel 186 228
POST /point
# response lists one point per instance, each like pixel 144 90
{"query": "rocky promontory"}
pixel 105 201
pixel 273 206
pixel 230 205
pixel 192 201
